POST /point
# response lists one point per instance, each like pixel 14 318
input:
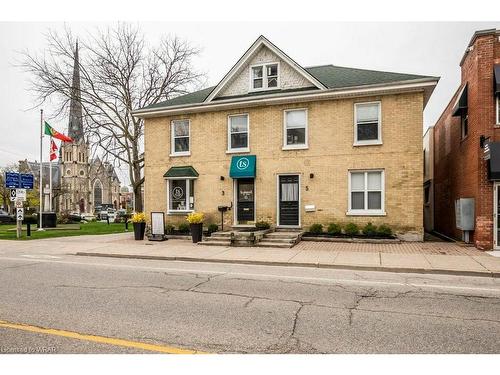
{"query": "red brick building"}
pixel 467 146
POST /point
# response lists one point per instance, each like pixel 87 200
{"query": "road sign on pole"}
pixel 13 195
pixel 26 181
pixel 11 179
pixel 19 203
pixel 21 194
pixel 20 214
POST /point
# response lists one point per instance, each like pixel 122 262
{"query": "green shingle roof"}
pixel 333 77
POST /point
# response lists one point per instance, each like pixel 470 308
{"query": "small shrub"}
pixel 184 228
pixel 334 229
pixel 262 225
pixel 316 228
pixel 370 229
pixel 384 230
pixel 212 228
pixel 169 229
pixel 351 229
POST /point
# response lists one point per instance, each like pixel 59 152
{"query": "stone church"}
pixel 80 183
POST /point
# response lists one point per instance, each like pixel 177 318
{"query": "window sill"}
pixel 176 154
pixel 238 151
pixel 300 147
pixel 179 212
pixel 366 213
pixel 374 143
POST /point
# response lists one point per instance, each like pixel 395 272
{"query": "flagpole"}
pixel 50 176
pixel 41 173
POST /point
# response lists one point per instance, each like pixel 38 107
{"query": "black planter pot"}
pixel 139 229
pixel 196 232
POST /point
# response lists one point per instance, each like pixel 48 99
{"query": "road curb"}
pixel 310 265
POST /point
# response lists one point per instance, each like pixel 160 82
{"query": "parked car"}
pixel 111 212
pixel 6 218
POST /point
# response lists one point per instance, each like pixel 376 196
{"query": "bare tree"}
pixel 119 72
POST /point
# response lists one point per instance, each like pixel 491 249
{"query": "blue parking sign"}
pixel 12 180
pixel 26 181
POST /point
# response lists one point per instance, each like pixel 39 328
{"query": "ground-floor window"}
pixel 366 192
pixel 181 195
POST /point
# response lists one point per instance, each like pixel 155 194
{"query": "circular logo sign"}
pixel 177 192
pixel 242 163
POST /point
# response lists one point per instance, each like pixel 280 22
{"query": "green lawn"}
pixel 85 229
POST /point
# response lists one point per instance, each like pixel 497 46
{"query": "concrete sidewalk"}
pixel 426 257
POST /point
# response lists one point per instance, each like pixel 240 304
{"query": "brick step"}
pixel 215 243
pixel 285 245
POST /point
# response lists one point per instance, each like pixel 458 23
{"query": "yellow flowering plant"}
pixel 138 217
pixel 195 217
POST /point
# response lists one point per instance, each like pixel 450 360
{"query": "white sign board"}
pixel 19 214
pixel 157 223
pixel 21 194
pixel 19 203
pixel 13 195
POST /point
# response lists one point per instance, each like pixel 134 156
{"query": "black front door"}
pixel 289 200
pixel 245 200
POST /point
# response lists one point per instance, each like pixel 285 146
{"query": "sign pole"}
pixel 41 173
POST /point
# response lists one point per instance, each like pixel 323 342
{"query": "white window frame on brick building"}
pixel 174 137
pixel 287 127
pixel 366 189
pixel 230 148
pixel 188 195
pixel 370 121
pixel 265 77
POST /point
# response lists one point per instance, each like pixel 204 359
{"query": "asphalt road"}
pixel 238 308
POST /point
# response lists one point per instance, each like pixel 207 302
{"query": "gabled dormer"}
pixel 264 68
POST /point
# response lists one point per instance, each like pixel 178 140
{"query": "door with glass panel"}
pixel 289 200
pixel 245 204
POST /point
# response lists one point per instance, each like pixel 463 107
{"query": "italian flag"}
pixel 49 130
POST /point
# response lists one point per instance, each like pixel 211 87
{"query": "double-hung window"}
pixel 295 129
pixel 498 109
pixel 238 133
pixel 367 124
pixel 181 195
pixel 180 131
pixel 366 192
pixel 464 125
pixel 264 76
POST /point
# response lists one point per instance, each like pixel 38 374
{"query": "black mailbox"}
pixel 223 208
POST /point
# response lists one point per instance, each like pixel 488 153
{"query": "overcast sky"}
pixel 419 48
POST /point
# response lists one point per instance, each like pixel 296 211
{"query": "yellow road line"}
pixel 98 339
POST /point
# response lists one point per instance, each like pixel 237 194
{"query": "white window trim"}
pixel 264 77
pixel 188 192
pixel 377 141
pixel 304 146
pixel 172 139
pixel 497 101
pixel 366 212
pixel 231 150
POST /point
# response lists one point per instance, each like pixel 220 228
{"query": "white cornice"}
pixel 426 85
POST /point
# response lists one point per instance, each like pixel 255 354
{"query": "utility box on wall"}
pixel 464 213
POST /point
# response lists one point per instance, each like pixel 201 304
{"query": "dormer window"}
pixel 264 76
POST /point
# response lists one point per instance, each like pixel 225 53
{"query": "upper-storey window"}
pixel 498 109
pixel 264 76
pixel 367 124
pixel 238 131
pixel 180 138
pixel 295 132
pixel 464 125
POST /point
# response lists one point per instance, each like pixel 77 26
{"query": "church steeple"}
pixel 75 128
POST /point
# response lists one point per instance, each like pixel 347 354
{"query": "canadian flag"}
pixel 53 150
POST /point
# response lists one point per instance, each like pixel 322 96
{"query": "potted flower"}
pixel 195 220
pixel 139 222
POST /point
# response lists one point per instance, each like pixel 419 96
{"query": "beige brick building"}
pixel 292 146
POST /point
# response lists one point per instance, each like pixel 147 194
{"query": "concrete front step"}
pixel 286 245
pixel 280 239
pixel 281 235
pixel 214 243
